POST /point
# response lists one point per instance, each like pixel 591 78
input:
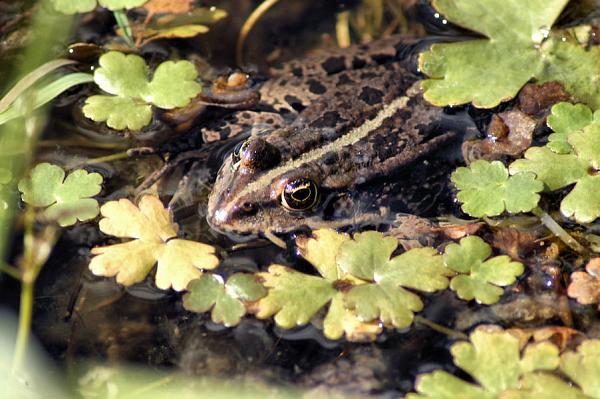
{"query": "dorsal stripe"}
pixel 352 137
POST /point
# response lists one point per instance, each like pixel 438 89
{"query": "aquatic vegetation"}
pixel 561 170
pixel 497 361
pixel 77 6
pixel 481 276
pixel 362 282
pixel 65 200
pixel 486 189
pixel 225 300
pixel 519 46
pixel 155 240
pixel 181 21
pixel 5 178
pixel 585 285
pixel 566 118
pixel 125 77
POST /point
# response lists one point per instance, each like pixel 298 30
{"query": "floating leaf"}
pixel 359 281
pixel 560 170
pixel 499 65
pixel 294 297
pixel 564 119
pixel 126 77
pixel 583 367
pixel 225 299
pixel 77 6
pixel 494 359
pixel 154 241
pixel 66 200
pixel 519 46
pixel 543 385
pixel 384 298
pixel 480 278
pixel 585 286
pixel 486 189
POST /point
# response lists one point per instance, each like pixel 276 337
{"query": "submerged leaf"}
pixel 225 299
pixel 486 189
pixel 480 278
pixel 78 6
pixel 126 77
pixel 154 241
pixel 66 200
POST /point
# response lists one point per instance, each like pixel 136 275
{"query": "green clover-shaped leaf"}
pixel 293 297
pixel 494 359
pixel 78 6
pixel 498 66
pixel 126 78
pixel 153 241
pixel 560 170
pixel 564 119
pixel 480 278
pixel 519 46
pixel 225 299
pixel 359 281
pixel 66 200
pixel 486 189
pixel 384 298
pixel 583 367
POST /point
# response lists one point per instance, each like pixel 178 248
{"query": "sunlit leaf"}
pixel 486 189
pixel 494 359
pixel 497 66
pixel 368 257
pixel 583 366
pixel 564 119
pixel 66 199
pixel 126 77
pixel 293 297
pixel 225 299
pixel 154 241
pixel 560 170
pixel 519 46
pixel 481 277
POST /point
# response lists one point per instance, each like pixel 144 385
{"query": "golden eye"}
pixel 237 153
pixel 300 195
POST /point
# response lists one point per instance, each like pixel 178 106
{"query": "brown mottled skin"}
pixel 318 101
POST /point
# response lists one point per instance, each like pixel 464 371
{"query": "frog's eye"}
pixel 300 195
pixel 237 153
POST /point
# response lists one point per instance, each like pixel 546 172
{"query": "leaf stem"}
pixel 108 158
pixel 441 329
pixel 123 23
pixel 248 25
pixel 557 230
pixel 25 315
pixel 10 270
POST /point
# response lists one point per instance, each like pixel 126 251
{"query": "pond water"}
pixel 80 318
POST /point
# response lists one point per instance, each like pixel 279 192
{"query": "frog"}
pixel 339 138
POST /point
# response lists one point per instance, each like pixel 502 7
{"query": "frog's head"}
pixel 258 190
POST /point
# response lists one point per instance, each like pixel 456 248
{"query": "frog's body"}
pixel 337 124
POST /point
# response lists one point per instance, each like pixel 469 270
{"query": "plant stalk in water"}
pixel 557 230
